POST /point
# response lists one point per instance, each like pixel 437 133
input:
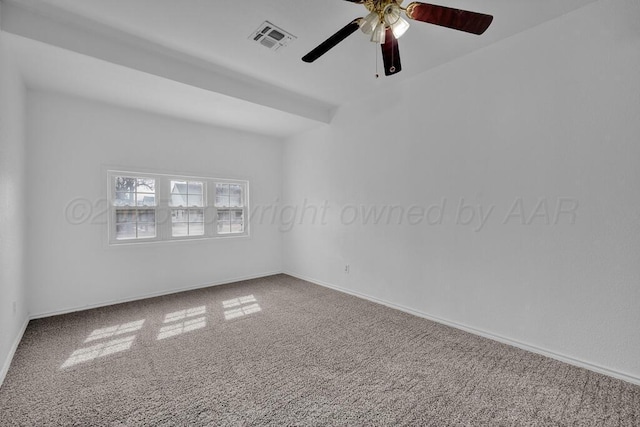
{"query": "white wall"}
pixel 551 112
pixel 70 141
pixel 12 206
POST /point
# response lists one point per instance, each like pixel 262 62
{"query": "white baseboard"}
pixel 532 348
pixel 151 295
pixel 12 351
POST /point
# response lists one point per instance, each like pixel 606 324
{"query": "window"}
pixel 158 207
pixel 135 207
pixel 189 197
pixel 230 208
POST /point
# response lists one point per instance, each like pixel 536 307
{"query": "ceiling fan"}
pixel 385 24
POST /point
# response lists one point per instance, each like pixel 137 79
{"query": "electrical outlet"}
pixel 346 269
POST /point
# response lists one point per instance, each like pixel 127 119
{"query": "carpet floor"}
pixel 280 351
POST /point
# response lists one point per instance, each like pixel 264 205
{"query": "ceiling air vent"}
pixel 271 37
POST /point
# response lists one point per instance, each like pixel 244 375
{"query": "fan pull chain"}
pixel 377 51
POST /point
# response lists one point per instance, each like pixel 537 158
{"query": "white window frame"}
pixel 163 207
pixel 230 209
pixel 205 196
pixel 113 208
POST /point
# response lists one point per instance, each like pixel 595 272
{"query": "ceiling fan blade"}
pixel 461 20
pixel 391 54
pixel 332 41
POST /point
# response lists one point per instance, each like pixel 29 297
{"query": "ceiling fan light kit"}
pixel 385 24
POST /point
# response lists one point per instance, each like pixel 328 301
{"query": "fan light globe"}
pixel 400 27
pixel 379 34
pixel 369 23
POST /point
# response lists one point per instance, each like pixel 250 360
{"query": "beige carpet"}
pixel 281 351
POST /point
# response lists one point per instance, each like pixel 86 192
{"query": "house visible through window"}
pixel 158 207
pixel 189 197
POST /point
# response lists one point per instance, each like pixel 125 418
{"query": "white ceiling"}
pixel 216 33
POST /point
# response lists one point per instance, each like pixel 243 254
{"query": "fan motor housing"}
pixel 380 5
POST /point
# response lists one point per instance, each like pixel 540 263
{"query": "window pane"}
pixel 230 221
pixel 147 215
pixel 195 200
pixel 235 195
pixel 179 215
pixel 187 222
pixel 222 201
pixel 179 229
pixel 224 222
pixel 125 215
pixel 196 229
pixel 131 191
pixel 196 187
pixel 124 199
pixel 224 228
pixel 187 193
pixel 237 221
pixel 196 215
pixel 178 200
pixel 146 230
pixel 126 231
pixel 178 186
pixel 126 184
pixel 179 225
pixel 222 195
pixel 146 199
pixel 146 185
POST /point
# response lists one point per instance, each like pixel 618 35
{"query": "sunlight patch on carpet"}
pixel 183 314
pixel 235 302
pixel 111 331
pixel 242 311
pixel 182 327
pixel 99 350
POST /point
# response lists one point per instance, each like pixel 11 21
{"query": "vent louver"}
pixel 271 37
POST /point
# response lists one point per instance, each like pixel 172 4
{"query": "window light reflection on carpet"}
pixel 99 350
pixel 182 327
pixel 111 331
pixel 235 302
pixel 183 314
pixel 241 311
